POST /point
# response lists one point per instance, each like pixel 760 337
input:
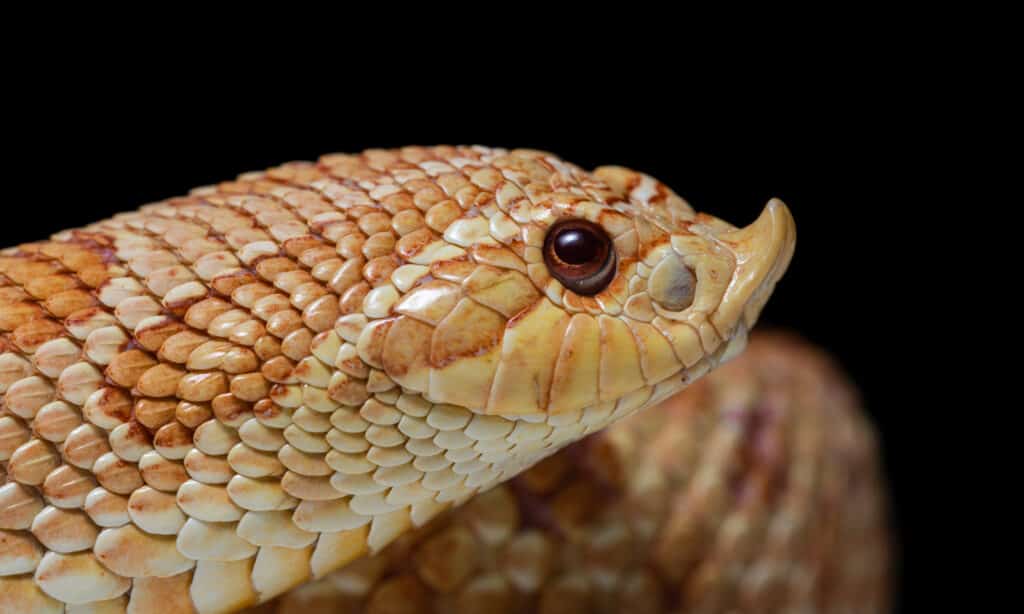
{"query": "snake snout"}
pixel 763 251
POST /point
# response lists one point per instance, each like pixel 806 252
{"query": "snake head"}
pixel 569 291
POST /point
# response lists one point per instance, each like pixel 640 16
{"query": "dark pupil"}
pixel 576 246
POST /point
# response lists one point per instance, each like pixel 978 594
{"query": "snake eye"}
pixel 580 255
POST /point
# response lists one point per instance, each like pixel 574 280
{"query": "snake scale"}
pixel 409 381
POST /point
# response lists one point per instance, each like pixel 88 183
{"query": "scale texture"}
pixel 216 398
pixel 755 490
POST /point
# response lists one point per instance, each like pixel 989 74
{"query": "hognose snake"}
pixel 330 371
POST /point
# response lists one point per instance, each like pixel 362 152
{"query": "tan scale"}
pixel 218 397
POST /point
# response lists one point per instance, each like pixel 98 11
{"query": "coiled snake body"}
pixel 331 370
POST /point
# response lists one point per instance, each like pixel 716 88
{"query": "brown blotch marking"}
pixel 11 294
pixel 269 267
pixel 469 330
pixel 650 236
pixel 302 370
pixel 295 246
pixel 173 435
pixel 153 336
pixel 352 300
pixel 163 474
pixel 23 268
pixel 249 387
pixel 83 249
pixel 321 313
pixel 372 340
pixel 153 413
pixel 378 270
pixel 278 370
pixel 284 321
pixel 14 315
pixel 295 345
pixel 69 483
pixel 178 347
pixel 29 336
pixel 118 476
pixel 63 304
pixel 400 201
pixel 45 287
pixel 192 414
pixel 407 345
pixel 614 222
pixel 229 409
pixel 226 283
pixel 80 317
pixel 266 347
pixel 413 243
pixel 351 245
pixel 240 360
pixel 138 433
pixel 84 445
pixel 180 307
pixel 94 276
pixel 203 386
pixel 160 381
pixel 201 313
pixel 128 367
pixel 266 409
pixel 347 390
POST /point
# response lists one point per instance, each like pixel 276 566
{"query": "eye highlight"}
pixel 580 255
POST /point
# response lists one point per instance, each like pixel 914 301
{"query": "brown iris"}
pixel 580 255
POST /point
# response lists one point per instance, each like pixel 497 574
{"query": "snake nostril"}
pixel 672 284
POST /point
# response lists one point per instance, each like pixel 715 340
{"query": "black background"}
pixel 846 160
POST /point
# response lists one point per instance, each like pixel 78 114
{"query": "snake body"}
pixel 216 398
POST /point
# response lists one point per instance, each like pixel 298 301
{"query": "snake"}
pixel 426 379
